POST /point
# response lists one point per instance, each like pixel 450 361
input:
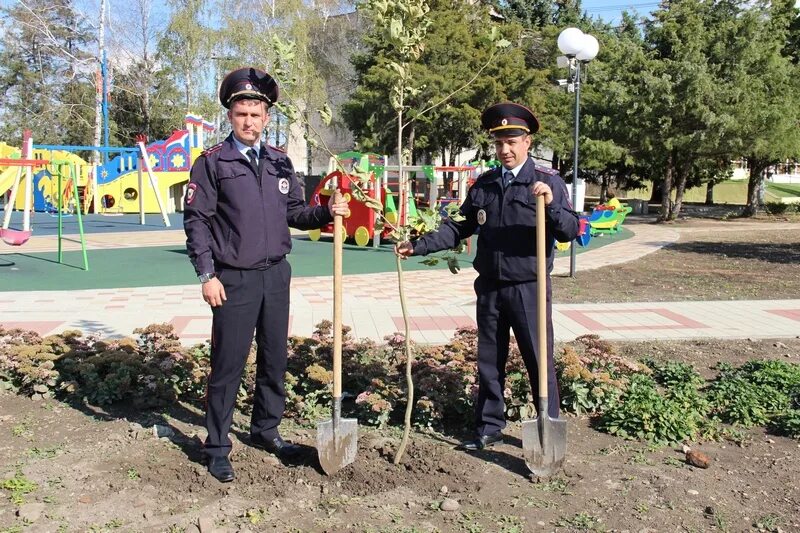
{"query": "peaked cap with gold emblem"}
pixel 248 82
pixel 508 119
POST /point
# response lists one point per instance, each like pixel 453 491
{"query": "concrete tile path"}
pixel 438 302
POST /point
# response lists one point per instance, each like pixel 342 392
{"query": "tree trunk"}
pixel 98 98
pixel 666 190
pixel 188 76
pixel 603 189
pixel 710 193
pixel 410 142
pixel 680 188
pixel 449 176
pixel 655 193
pixel 757 167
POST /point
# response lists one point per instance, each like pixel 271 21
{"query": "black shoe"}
pixel 484 441
pixel 276 446
pixel 221 468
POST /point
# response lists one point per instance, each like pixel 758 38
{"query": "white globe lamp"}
pixel 571 41
pixel 590 48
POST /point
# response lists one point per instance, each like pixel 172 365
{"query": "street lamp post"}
pixel 579 48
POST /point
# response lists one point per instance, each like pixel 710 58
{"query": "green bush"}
pixel 153 370
pixel 755 392
pixel 659 402
pixel 787 424
pixel 592 376
pixel 643 413
pixel 776 208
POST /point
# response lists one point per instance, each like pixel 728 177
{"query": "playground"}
pixel 642 287
pixel 105 468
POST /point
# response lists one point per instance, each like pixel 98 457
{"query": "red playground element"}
pixel 360 225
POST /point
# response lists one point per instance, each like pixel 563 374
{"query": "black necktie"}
pixel 252 155
pixel 508 176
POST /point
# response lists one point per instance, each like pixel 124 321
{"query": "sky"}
pixel 611 10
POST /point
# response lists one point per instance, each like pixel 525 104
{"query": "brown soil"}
pixel 102 471
pixel 712 260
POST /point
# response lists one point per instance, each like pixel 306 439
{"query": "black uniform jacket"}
pixel 507 238
pixel 237 218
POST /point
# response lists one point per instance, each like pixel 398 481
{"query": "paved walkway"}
pixel 438 302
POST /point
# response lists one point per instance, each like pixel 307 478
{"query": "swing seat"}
pixel 14 237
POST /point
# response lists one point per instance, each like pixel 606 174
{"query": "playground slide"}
pixel 7 177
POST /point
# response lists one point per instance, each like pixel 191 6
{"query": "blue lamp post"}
pixel 579 48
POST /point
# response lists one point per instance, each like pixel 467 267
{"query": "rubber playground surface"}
pixel 47 224
pixel 154 266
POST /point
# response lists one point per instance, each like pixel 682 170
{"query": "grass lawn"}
pixel 784 189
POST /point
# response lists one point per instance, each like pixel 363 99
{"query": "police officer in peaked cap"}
pixel 502 203
pixel 241 199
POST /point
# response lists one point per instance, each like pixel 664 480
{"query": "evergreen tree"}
pixel 458 45
pixel 763 87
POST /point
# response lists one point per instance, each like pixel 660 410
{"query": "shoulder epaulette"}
pixel 281 150
pixel 216 148
pixel 546 170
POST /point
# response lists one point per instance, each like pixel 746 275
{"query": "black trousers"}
pixel 504 306
pixel 256 300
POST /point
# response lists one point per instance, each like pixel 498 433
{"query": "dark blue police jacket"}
pixel 507 219
pixel 236 217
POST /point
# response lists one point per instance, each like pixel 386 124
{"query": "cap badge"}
pixel 248 87
pixel 504 122
pixel 283 186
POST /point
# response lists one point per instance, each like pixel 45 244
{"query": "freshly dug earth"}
pixel 76 468
pixel 712 260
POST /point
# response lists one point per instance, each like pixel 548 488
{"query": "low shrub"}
pixel 776 208
pixel 592 375
pixel 787 424
pixel 659 402
pixel 642 412
pixel 754 393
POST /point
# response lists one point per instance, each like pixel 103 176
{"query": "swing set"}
pixel 65 193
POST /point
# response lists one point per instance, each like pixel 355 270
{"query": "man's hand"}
pixel 542 189
pixel 403 249
pixel 338 205
pixel 214 292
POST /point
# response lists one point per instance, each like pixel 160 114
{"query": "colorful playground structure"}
pixel 54 179
pixel 607 219
pixel 115 186
pixel 385 185
pixel 420 183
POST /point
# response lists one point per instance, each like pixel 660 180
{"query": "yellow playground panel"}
pixel 123 184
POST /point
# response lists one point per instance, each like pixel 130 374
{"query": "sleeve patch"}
pixel 190 191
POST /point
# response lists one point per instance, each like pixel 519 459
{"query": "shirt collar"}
pixel 243 148
pixel 514 170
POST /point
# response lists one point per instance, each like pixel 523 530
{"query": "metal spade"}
pixel 544 439
pixel 337 439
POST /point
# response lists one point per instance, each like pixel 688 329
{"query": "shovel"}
pixel 544 439
pixel 337 439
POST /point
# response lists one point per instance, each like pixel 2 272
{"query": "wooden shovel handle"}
pixel 338 239
pixel 541 298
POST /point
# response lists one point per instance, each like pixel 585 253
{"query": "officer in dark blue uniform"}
pixel 502 203
pixel 241 199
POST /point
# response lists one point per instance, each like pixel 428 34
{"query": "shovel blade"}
pixel 337 446
pixel 544 443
